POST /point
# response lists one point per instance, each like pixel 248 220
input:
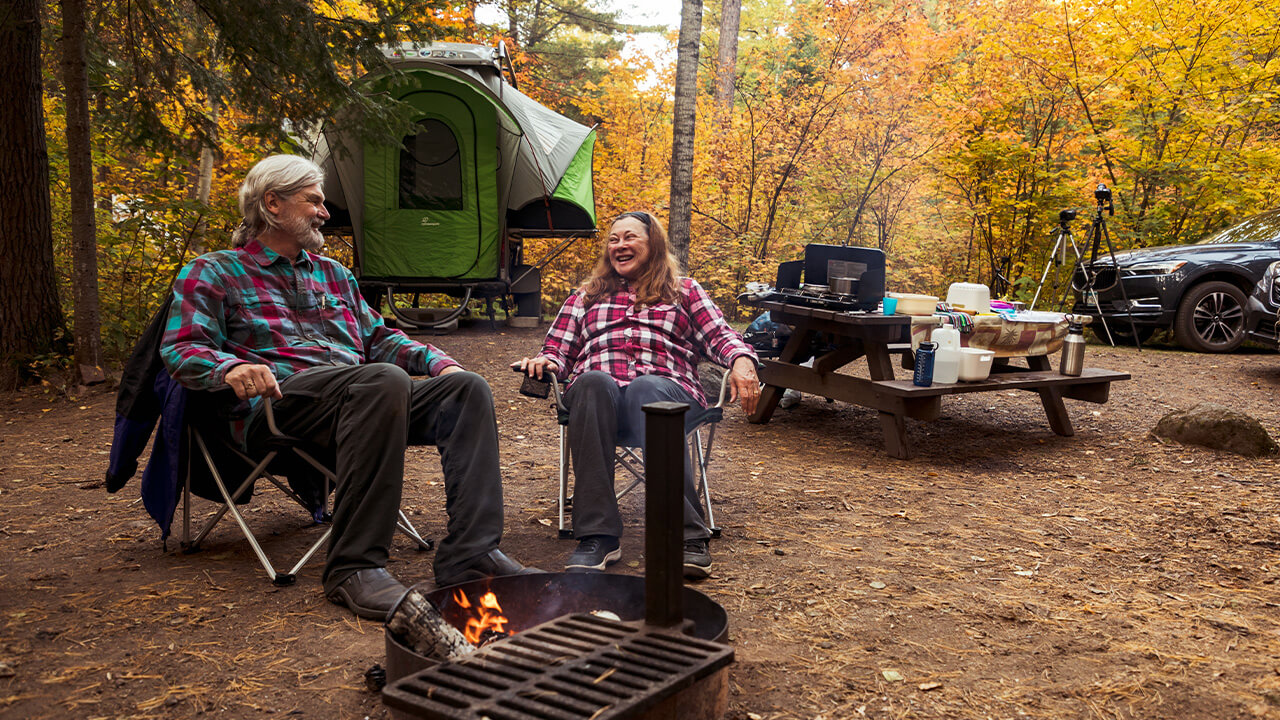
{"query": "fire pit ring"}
pixel 562 661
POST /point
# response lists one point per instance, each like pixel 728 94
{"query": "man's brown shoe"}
pixel 369 593
pixel 492 564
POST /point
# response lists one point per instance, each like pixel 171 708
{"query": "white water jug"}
pixel 946 365
pixel 947 337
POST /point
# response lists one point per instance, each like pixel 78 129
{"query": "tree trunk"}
pixel 513 25
pixel 204 184
pixel 684 111
pixel 30 316
pixel 727 57
pixel 84 238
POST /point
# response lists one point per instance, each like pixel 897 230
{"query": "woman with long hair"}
pixel 631 335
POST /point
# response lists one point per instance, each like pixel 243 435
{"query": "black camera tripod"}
pixel 1084 278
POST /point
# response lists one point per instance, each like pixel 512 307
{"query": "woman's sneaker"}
pixel 697 559
pixel 594 553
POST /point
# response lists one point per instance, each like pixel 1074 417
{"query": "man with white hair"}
pixel 270 318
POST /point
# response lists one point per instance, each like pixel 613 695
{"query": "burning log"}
pixel 418 621
pixel 491 636
pixel 487 623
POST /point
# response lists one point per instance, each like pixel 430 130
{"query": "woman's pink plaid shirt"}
pixel 664 340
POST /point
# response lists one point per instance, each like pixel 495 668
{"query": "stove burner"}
pixel 805 297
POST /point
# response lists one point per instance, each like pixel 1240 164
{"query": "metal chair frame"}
pixel 699 436
pixel 259 471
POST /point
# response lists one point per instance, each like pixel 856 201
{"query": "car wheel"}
pixel 1211 318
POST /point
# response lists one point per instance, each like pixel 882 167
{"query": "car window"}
pixel 1259 228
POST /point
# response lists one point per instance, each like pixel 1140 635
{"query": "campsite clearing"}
pixel 1003 572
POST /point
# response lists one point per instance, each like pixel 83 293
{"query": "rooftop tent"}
pixel 488 166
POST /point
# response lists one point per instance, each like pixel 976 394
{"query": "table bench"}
pixel 872 337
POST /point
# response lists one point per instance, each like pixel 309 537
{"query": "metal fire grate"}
pixel 576 666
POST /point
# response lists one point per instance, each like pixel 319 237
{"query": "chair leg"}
pixel 230 506
pixel 293 573
pixel 186 498
pixel 564 533
pixel 213 521
pixel 406 527
pixel 702 457
pixel 330 481
pixel 633 462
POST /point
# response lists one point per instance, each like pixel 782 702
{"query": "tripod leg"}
pixel 1044 275
pixel 1090 290
pixel 1133 327
pixel 1062 301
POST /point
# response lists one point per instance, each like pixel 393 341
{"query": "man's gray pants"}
pixel 367 415
pixel 603 415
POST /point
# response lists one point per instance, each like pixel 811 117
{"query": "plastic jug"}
pixel 946 365
pixel 947 337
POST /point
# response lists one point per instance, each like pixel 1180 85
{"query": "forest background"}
pixel 948 134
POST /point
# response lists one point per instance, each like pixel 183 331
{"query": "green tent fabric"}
pixel 413 231
pixel 487 162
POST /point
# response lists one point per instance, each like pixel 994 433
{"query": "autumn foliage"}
pixel 948 134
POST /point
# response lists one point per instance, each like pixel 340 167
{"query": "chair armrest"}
pixel 724 389
pixel 540 389
pixel 271 417
pixel 724 385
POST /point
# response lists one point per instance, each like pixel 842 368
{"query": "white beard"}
pixel 308 236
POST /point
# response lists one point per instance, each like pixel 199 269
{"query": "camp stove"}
pixel 582 666
pixel 836 277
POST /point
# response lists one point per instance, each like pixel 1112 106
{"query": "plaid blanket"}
pixel 1007 338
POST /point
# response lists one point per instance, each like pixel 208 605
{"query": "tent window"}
pixel 431 169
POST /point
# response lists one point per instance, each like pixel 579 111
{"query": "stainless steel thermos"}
pixel 924 364
pixel 1073 349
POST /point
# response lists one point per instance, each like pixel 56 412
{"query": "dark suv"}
pixel 1198 290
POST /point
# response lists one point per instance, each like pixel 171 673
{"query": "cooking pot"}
pixel 844 285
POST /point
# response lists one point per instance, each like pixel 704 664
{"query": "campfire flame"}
pixel 486 616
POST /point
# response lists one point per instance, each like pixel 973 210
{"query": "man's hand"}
pixel 534 367
pixel 744 385
pixel 452 369
pixel 250 381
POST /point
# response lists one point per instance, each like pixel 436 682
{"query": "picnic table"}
pixel 873 338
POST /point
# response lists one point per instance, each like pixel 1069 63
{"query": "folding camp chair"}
pixel 699 431
pixel 216 447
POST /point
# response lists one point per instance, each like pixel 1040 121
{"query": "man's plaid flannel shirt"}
pixel 252 305
pixel 663 340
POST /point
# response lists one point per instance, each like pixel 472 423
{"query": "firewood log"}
pixel 424 629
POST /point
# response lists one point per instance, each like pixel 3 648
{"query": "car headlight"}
pixel 1269 278
pixel 1161 267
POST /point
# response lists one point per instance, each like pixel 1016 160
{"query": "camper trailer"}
pixel 447 211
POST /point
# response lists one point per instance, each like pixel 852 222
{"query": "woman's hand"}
pixel 534 367
pixel 744 385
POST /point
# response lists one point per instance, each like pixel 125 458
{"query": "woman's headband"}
pixel 641 216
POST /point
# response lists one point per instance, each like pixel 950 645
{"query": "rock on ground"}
pixel 1217 427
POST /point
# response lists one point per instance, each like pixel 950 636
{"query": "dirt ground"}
pixel 1004 572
